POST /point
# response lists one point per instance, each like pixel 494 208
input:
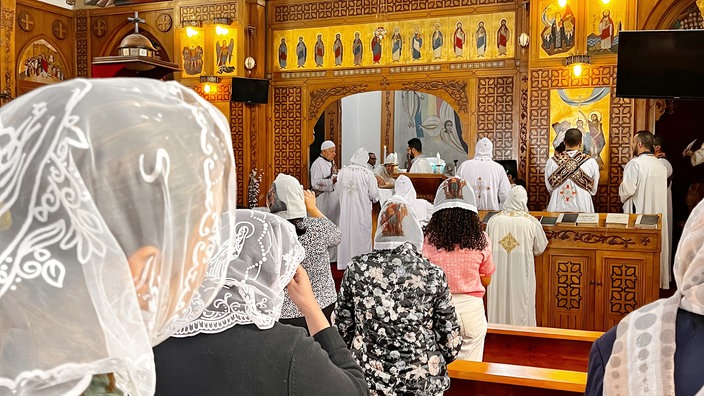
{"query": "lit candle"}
pixel 384 157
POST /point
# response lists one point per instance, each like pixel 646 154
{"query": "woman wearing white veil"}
pixel 423 209
pixel 657 349
pixel 118 192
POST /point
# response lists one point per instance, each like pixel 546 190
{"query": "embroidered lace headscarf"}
pixel 396 225
pixel 266 255
pixel 642 362
pixel 484 149
pixel 516 200
pixel 116 190
pixel 454 192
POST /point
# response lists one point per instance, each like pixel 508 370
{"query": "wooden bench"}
pixel 544 347
pixel 483 378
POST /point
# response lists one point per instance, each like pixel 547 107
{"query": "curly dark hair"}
pixel 453 227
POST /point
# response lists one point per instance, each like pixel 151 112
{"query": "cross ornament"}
pixel 136 20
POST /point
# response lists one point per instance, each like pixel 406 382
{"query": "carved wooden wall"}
pixel 541 82
pixel 495 114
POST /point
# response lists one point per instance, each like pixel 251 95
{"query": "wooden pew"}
pixel 484 378
pixel 544 347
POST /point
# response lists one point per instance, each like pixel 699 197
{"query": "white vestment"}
pixel 698 156
pixel 486 177
pixel 644 190
pixel 420 165
pixel 321 181
pixel 358 190
pixel 568 196
pixel 516 238
pixel 668 167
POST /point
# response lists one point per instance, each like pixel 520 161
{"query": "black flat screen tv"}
pixel 250 90
pixel 660 64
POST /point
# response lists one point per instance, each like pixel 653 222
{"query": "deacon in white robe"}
pixel 571 177
pixel 422 208
pixel 323 176
pixel 486 176
pixel 358 190
pixel 644 190
pixel 420 164
pixel 516 237
pixel 662 156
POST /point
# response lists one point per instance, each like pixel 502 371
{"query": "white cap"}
pixel 328 144
pixel 558 139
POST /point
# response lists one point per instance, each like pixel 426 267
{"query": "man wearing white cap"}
pixel 486 177
pixel 323 177
pixel 571 177
pixel 386 169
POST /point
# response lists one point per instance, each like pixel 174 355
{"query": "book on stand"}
pixel 647 221
pixel 568 218
pixel 587 219
pixel 548 220
pixel 617 219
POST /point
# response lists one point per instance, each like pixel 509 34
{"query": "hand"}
pixel 688 153
pixel 309 199
pixel 334 179
pixel 380 181
pixel 301 292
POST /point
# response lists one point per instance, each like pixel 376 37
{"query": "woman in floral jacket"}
pixel 394 310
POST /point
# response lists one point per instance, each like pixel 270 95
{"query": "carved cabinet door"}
pixel 621 285
pixel 565 289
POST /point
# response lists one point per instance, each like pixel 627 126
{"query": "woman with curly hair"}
pixel 455 242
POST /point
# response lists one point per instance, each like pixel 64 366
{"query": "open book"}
pixel 647 221
pixel 617 219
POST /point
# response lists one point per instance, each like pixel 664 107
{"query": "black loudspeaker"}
pixel 250 90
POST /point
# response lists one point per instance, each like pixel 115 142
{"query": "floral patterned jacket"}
pixel 395 314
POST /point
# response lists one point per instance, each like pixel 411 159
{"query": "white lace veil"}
pixel 642 361
pixel 454 192
pixel 93 172
pixel 397 224
pixel 266 255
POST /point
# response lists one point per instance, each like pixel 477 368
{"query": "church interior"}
pixel 513 71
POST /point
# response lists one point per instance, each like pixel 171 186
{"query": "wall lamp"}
pixel 577 61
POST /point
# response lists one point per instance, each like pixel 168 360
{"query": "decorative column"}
pixel 8 83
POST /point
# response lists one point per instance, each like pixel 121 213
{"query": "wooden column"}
pixel 8 12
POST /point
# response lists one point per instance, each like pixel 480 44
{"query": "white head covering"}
pixel 269 253
pixel 516 200
pixel 360 157
pixel 404 188
pixel 484 149
pixel 328 144
pixel 391 159
pixel 558 139
pixel 454 192
pixel 289 202
pixel 644 351
pixel 397 224
pixel 95 172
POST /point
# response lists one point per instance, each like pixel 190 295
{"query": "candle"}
pixel 384 157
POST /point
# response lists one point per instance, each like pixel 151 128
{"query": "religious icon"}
pixel 319 51
pixel 357 49
pixel 596 136
pixel 416 44
pixel 337 49
pixel 41 64
pixel 459 40
pixel 396 44
pixel 392 219
pixel 283 53
pixel 604 36
pixel 224 53
pixel 481 39
pixel 376 45
pixel 559 29
pixel 502 37
pixel 192 59
pixel 301 52
pixel 437 41
pixel 453 188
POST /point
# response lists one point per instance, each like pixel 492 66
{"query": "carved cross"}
pixel 27 22
pixel 58 30
pixel 136 20
pixel 100 27
pixel 164 22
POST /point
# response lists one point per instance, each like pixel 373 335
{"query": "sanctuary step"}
pixel 484 378
pixel 545 347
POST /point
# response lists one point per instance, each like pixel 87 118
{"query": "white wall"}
pixel 361 125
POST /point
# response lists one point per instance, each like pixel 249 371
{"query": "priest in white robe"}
pixel 422 208
pixel 662 156
pixel 358 190
pixel 486 176
pixel 419 164
pixel 644 190
pixel 571 177
pixel 323 177
pixel 517 237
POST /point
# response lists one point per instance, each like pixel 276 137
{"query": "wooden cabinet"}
pixel 590 277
